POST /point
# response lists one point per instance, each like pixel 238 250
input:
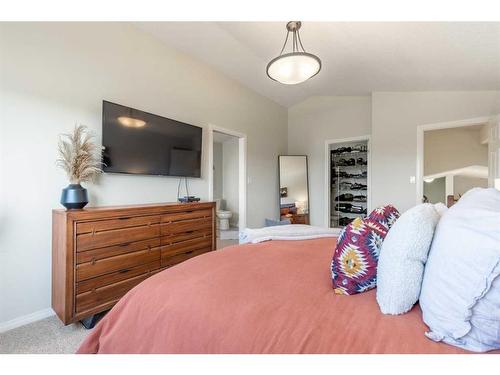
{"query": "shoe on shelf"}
pixel 343 207
pixel 359 198
pixel 359 148
pixel 345 197
pixel 344 221
pixel 357 209
pixel 357 186
pixel 345 186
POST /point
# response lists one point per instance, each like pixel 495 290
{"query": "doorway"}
pixel 227 183
pixel 347 180
pixel 452 159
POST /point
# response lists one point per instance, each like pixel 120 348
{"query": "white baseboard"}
pixel 26 319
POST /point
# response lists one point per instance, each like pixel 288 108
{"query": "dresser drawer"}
pixel 179 237
pixel 185 226
pixel 107 265
pixel 114 277
pixel 123 248
pixel 92 240
pixel 169 261
pixel 195 214
pixel 106 294
pixel 118 223
pixel 184 247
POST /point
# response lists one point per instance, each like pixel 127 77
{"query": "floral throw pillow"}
pixel 386 215
pixel 354 263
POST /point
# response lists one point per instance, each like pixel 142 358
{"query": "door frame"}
pixel 421 129
pixel 242 170
pixel 326 185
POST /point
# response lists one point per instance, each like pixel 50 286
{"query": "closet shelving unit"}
pixel 349 182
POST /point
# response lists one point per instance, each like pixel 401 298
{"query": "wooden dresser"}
pixel 99 254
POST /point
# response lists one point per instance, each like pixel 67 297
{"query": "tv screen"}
pixel 138 142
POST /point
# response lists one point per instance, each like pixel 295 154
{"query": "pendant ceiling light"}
pixel 294 67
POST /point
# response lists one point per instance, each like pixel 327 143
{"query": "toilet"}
pixel 222 215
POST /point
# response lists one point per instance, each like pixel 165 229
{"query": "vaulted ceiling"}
pixel 358 58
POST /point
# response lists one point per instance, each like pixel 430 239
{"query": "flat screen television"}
pixel 138 142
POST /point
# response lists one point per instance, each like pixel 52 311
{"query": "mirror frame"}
pixel 307 184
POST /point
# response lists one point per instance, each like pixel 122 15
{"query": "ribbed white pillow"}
pixel 460 296
pixel 402 258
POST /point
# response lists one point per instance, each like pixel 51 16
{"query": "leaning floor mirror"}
pixel 293 188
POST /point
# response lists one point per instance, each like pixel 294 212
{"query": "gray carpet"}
pixel 50 336
pixel 47 336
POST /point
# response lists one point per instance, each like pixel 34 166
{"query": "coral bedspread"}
pixel 272 297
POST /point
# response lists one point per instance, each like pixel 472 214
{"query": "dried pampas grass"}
pixel 79 156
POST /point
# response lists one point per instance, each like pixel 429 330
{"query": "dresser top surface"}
pixel 134 207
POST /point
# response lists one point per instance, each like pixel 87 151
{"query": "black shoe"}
pixel 359 148
pixel 357 209
pixel 344 221
pixel 343 207
pixel 345 197
pixel 357 186
pixel 340 150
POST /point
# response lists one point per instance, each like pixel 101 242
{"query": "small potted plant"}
pixel 80 158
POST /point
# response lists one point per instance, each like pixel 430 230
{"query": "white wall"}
pixel 448 149
pixel 230 177
pixel 55 74
pixel 395 117
pixel 462 184
pixel 315 120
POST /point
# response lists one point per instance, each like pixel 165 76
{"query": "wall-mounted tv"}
pixel 138 142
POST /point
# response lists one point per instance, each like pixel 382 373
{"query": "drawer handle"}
pixel 123 218
pixel 190 231
pixel 124 270
pixel 92 261
pixel 125 244
pixel 189 252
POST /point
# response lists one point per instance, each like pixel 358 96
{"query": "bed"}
pixel 270 297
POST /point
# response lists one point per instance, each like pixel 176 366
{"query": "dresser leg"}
pixel 91 321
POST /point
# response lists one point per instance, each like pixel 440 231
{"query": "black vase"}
pixel 74 196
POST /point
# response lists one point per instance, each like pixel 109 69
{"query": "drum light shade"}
pixel 294 67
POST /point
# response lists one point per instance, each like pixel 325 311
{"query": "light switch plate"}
pixel 412 179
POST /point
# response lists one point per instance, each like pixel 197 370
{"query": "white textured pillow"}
pixel 441 208
pixel 402 259
pixel 460 296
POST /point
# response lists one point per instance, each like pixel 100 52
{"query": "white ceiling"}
pixel 358 58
